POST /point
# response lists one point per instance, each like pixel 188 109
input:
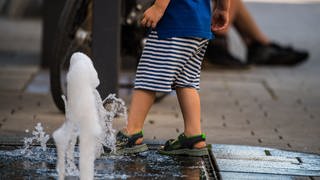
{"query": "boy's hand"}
pixel 153 14
pixel 220 18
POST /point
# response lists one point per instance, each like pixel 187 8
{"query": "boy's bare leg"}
pixel 141 103
pixel 189 101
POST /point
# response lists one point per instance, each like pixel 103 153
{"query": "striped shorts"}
pixel 169 63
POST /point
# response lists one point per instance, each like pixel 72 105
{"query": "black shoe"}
pixel 219 56
pixel 126 144
pixel 274 54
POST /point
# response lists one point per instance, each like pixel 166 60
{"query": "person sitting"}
pixel 260 49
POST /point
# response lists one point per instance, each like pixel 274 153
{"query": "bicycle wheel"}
pixel 72 17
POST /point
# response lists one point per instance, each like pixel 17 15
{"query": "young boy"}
pixel 171 60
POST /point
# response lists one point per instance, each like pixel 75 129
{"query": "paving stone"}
pixel 17 70
pixel 13 84
pixel 40 83
pixel 21 121
pixel 15 78
pixel 249 159
pixel 258 176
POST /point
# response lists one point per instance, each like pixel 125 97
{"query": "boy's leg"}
pixel 129 140
pixel 189 101
pixel 141 103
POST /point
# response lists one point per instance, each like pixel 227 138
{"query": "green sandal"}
pixel 126 144
pixel 184 145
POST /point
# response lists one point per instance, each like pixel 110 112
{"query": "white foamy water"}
pixel 87 117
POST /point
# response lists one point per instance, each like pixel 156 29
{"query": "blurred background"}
pixel 266 106
pixel 21 31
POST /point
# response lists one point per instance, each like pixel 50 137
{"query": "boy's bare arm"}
pixel 163 4
pixel 222 4
pixel 153 14
pixel 220 18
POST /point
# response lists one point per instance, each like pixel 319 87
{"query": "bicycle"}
pixel 74 33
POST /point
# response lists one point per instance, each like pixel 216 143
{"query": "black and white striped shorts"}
pixel 169 63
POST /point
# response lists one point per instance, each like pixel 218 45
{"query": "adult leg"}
pixel 261 51
pixel 189 101
pixel 218 52
pixel 246 26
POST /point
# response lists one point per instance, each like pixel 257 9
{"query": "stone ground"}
pixel 264 106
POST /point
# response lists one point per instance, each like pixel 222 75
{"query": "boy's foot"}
pixel 274 54
pixel 184 145
pixel 129 144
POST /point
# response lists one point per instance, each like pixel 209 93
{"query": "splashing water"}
pixel 108 109
pixel 39 137
pixel 88 117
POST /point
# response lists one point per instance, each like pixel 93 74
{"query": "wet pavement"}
pixel 273 107
pixel 224 162
pixel 147 165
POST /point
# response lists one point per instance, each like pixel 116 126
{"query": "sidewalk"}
pixel 267 107
pixel 273 107
pixel 264 107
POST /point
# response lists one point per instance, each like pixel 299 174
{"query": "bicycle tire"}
pixel 62 44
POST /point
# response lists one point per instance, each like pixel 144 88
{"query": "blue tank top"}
pixel 186 18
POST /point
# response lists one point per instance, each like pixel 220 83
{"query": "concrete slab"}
pixel 259 176
pixel 13 84
pixel 16 78
pixel 255 160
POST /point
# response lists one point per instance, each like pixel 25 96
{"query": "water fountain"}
pixel 89 118
pixel 37 162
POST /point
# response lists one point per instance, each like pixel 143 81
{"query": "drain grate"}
pixel 211 166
